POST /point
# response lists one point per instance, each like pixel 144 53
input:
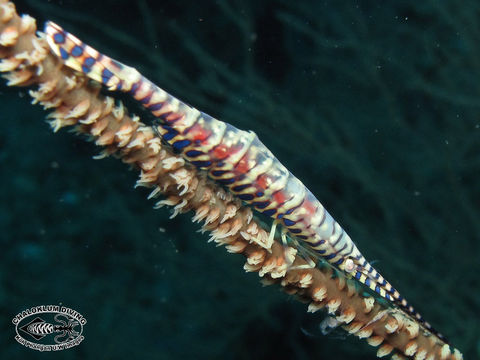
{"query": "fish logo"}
pixel 49 327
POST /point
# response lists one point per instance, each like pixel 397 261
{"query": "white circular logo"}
pixel 49 327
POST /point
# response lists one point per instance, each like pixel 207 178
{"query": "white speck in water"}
pixel 416 193
pixel 161 229
pixel 446 142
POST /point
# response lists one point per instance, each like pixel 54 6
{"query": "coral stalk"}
pixel 26 61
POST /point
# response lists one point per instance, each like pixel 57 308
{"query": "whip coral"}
pixel 77 103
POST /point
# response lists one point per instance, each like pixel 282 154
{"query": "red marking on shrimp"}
pixel 262 181
pixel 242 166
pixel 279 197
pixel 198 133
pixel 174 116
pixel 309 207
pixel 221 151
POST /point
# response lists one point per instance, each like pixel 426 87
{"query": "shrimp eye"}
pixel 349 265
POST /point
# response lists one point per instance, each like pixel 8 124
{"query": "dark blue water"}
pixel 376 108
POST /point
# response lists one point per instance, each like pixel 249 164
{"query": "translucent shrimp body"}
pixel 236 159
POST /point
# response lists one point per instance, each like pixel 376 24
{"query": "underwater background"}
pixel 374 106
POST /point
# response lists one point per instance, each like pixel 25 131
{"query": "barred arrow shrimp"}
pixel 236 159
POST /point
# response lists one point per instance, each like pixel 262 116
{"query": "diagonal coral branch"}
pixel 26 61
